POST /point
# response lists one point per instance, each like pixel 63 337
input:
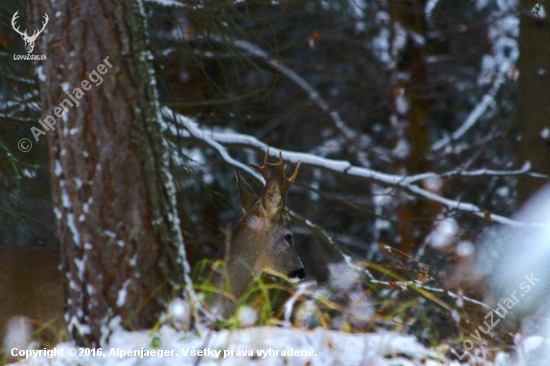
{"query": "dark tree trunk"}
pixel 114 199
pixel 411 125
pixel 533 98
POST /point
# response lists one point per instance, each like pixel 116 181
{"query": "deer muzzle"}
pixel 297 275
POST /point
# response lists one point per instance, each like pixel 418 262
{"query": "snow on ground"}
pixel 253 346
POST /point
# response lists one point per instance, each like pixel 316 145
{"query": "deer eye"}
pixel 288 238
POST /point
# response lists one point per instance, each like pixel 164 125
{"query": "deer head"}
pixel 29 40
pixel 263 240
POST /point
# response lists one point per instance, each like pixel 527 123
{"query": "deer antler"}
pixel 280 166
pixel 263 170
pixel 13 19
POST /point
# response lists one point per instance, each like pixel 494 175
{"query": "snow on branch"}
pixel 302 83
pixel 312 93
pixel 194 131
pixel 429 8
pixel 525 169
pixel 167 3
pixel 474 115
pixel 218 140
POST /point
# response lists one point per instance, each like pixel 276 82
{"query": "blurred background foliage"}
pixel 401 87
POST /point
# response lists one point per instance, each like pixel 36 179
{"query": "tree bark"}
pixel 114 199
pixel 411 124
pixel 533 98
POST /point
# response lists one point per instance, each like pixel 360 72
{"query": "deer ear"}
pixel 272 197
pixel 246 193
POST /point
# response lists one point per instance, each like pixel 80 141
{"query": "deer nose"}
pixel 298 274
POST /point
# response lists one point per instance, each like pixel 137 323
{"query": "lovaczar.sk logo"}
pixel 29 40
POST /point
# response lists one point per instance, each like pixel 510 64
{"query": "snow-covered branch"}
pixel 474 115
pixel 218 140
pixel 525 169
pixel 252 50
pixel 193 130
pixel 167 3
pixel 302 83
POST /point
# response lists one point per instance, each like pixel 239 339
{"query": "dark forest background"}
pixel 440 108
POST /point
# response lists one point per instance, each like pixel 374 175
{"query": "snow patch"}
pixel 545 133
pixel 532 343
pixel 443 234
pixel 40 73
pixel 123 293
pixel 58 169
pixel 66 87
pixel 465 249
pixel 247 316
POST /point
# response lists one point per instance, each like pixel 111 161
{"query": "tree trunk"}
pixel 114 198
pixel 410 122
pixel 533 98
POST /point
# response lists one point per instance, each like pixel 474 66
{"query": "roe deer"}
pixel 31 285
pixel 262 241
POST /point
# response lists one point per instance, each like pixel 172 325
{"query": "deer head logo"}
pixel 29 40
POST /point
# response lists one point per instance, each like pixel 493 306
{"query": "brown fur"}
pixel 259 242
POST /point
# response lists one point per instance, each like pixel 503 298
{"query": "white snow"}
pixel 78 183
pixel 80 265
pixel 532 343
pixel 465 248
pixel 110 234
pixel 401 149
pixel 545 133
pixel 123 293
pixel 429 7
pixel 401 102
pixel 58 169
pixel 180 313
pixel 433 184
pixel 444 232
pixel 29 173
pixel 18 333
pixel 66 87
pixel 541 12
pixel 40 73
pixel 247 316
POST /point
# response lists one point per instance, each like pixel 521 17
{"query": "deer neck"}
pixel 241 266
pixel 242 262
